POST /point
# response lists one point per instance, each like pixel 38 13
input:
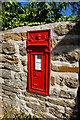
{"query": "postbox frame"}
pixel 47 53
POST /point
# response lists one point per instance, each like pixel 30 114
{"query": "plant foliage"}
pixel 35 13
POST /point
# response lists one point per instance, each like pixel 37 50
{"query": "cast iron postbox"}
pixel 39 58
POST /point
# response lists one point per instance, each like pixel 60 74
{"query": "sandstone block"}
pixel 67 94
pixel 69 111
pixel 34 95
pixel 73 83
pixel 64 67
pixel 68 69
pixel 62 102
pixel 12 59
pixel 66 78
pixel 11 67
pixel 22 85
pixel 66 53
pixel 22 49
pixel 8 48
pixel 10 93
pixel 24 36
pixel 1 80
pixel 16 36
pixel 42 115
pixel 24 62
pixel 52 80
pixel 30 100
pixel 56 113
pixel 61 29
pixel 11 89
pixel 56 92
pixel 21 75
pixel 10 82
pixel 36 107
pixel 5 73
pixel 68 28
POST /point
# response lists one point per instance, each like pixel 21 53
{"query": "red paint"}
pixel 39 59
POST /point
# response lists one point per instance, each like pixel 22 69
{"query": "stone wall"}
pixel 64 83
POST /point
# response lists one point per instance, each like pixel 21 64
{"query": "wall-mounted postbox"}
pixel 39 57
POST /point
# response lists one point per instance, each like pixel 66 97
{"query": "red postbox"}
pixel 39 58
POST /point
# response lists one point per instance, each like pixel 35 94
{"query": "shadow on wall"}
pixel 67 50
pixel 68 38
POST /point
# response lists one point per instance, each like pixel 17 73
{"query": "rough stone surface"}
pixel 16 36
pixel 5 73
pixel 67 94
pixel 73 83
pixel 8 48
pixel 10 59
pixel 24 62
pixel 56 113
pixel 22 49
pixel 52 80
pixel 36 107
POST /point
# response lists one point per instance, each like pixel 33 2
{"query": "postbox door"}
pixel 38 72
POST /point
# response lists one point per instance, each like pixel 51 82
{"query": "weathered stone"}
pixel 11 89
pixel 71 56
pixel 0 48
pixel 10 82
pixel 68 69
pixel 24 36
pixel 66 78
pixel 60 80
pixel 67 94
pixel 12 59
pixel 56 92
pixel 10 93
pixel 73 83
pixel 5 73
pixel 64 67
pixel 8 48
pixel 61 29
pixel 68 28
pixel 42 103
pixel 34 95
pixel 42 115
pixel 16 36
pixel 54 42
pixel 66 53
pixel 25 69
pixel 22 49
pixel 63 102
pixel 13 67
pixel 1 80
pixel 22 85
pixel 24 62
pixel 56 113
pixel 21 75
pixel 9 101
pixel 36 107
pixel 69 111
pixel 52 80
pixel 13 36
pixel 30 100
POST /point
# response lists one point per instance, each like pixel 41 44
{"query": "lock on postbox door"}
pixel 39 58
